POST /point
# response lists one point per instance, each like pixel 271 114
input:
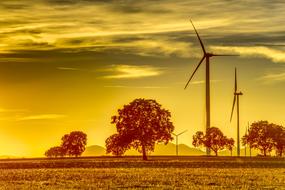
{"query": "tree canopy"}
pixel 140 124
pixel 73 144
pixel 56 151
pixel 265 136
pixel 213 139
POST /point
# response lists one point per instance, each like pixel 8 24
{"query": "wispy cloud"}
pixel 256 51
pixel 41 117
pixel 273 78
pixel 203 82
pixel 160 46
pixel 98 23
pixel 197 82
pixel 4 110
pixel 132 71
pixel 145 87
pixel 68 68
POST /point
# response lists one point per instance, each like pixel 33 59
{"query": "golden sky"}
pixel 70 64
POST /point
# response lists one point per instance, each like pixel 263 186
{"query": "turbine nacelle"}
pixel 238 93
pixel 209 54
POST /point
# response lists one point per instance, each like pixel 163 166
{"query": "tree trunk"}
pixel 231 152
pixel 250 151
pixel 216 153
pixel 144 152
pixel 264 152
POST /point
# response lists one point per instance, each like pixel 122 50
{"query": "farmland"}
pixel 132 173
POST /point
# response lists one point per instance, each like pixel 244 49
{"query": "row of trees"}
pixel 72 144
pixel 262 136
pixel 143 123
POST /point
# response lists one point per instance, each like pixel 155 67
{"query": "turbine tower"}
pixel 206 56
pixel 176 137
pixel 236 102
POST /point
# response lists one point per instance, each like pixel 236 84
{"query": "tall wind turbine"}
pixel 176 136
pixel 206 56
pixel 236 102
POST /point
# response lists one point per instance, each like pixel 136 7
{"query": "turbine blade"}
pixel 234 102
pixel 182 132
pixel 235 79
pixel 194 72
pixel 201 43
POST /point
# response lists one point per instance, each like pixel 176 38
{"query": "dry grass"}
pixel 145 177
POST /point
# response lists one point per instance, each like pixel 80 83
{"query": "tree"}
pixel 278 136
pixel 213 139
pixel 56 151
pixel 140 125
pixel 261 136
pixel 198 139
pixel 230 144
pixel 74 143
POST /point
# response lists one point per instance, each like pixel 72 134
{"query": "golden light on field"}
pixel 71 64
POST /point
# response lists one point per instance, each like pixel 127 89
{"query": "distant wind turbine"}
pixel 206 56
pixel 236 102
pixel 246 131
pixel 176 137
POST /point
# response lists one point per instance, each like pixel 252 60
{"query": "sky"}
pixel 71 64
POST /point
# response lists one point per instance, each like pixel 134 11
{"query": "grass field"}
pixel 132 173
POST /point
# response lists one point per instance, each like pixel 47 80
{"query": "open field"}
pixel 132 173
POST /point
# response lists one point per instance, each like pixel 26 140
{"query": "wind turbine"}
pixel 206 56
pixel 176 137
pixel 236 102
pixel 246 130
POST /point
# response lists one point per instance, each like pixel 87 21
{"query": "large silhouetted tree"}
pixel 140 125
pixel 74 143
pixel 265 137
pixel 214 139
